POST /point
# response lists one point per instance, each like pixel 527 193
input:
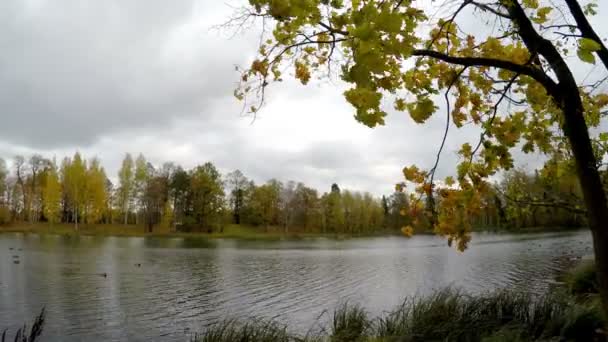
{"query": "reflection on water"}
pixel 184 284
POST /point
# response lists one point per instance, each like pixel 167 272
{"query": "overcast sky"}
pixel 151 76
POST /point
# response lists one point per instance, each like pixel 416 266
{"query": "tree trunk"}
pixel 587 30
pixel 150 224
pixel 593 191
pixel 567 96
pixel 76 219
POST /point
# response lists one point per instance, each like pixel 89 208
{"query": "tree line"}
pixel 550 197
pixel 169 197
pixel 526 200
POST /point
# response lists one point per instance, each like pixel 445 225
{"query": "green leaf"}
pixel 337 4
pixel 363 98
pixel 531 3
pixel 390 22
pixel 422 109
pixel 586 56
pixel 590 9
pixel 400 105
pixel 589 44
pixel 364 31
pixel 541 15
pixel 528 147
pixel 544 11
pixel 449 181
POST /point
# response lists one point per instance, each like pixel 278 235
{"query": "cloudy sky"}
pixel 153 76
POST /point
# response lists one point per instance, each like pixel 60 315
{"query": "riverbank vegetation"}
pixel 77 196
pixel 22 334
pixel 446 315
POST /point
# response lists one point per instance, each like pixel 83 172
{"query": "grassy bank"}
pixel 231 231
pixel 447 315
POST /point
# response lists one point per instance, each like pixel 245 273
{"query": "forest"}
pixel 169 198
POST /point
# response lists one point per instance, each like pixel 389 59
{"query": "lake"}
pixel 94 289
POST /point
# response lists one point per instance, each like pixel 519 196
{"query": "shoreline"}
pixel 238 232
pixel 235 232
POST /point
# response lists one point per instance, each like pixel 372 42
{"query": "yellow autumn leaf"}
pixel 408 231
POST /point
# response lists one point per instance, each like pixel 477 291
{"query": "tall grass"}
pixel 350 323
pixel 22 335
pixel 446 315
pixel 253 331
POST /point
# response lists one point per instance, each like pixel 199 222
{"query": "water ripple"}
pixel 177 291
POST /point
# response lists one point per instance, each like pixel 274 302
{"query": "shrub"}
pixel 5 215
pixel 582 280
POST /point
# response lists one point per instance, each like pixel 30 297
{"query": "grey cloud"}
pixel 72 73
pixel 109 77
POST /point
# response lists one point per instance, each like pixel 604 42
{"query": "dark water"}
pixel 183 285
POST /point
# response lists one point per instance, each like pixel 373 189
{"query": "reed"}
pixel 446 315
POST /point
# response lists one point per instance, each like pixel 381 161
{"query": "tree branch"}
pixel 307 42
pixel 448 22
pixel 488 8
pixel 586 29
pixel 559 26
pixel 553 204
pixel 495 112
pixel 447 123
pixel 537 44
pixel 536 74
pixel 332 30
pixel 567 35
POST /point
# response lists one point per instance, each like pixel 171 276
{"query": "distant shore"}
pixel 231 231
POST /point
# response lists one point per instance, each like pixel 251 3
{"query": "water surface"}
pixel 94 290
